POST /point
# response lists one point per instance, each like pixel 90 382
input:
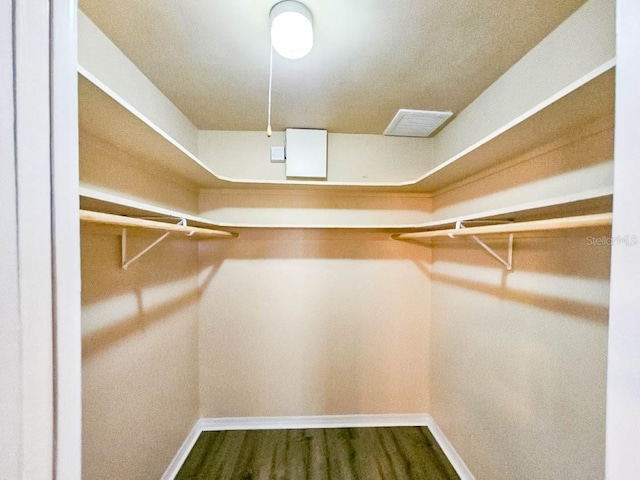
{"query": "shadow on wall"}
pixel 118 303
pixel 173 259
pixel 566 274
pixel 587 311
pixel 103 338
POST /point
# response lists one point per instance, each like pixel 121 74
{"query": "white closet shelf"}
pixel 599 200
pixel 131 222
pixel 586 101
pixel 592 201
pixel 112 119
pixel 99 201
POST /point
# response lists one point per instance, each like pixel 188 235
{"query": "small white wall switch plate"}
pixel 277 155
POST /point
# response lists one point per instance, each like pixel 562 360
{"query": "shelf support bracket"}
pixel 508 263
pixel 126 263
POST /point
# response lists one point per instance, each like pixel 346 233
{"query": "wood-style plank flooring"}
pixel 385 453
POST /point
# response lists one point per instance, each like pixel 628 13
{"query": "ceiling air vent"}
pixel 416 123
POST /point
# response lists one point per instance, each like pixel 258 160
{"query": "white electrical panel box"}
pixel 306 153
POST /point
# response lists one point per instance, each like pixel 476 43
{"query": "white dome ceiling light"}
pixel 291 29
pixel 291 36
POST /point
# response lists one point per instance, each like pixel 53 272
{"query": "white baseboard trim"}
pixel 182 453
pixel 320 421
pixel 456 460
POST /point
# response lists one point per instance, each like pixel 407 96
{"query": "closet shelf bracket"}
pixel 508 263
pixel 549 224
pixel 126 263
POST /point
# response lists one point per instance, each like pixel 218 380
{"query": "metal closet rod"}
pixel 121 221
pixel 594 220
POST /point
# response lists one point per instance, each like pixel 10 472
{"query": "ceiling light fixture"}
pixel 291 36
pixel 291 29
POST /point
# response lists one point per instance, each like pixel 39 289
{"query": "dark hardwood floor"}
pixel 386 453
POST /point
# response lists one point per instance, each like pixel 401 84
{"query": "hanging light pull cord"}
pixel 270 82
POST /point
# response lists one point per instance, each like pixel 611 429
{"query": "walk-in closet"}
pixel 458 281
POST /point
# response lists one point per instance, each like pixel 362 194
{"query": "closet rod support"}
pixel 508 263
pixel 126 263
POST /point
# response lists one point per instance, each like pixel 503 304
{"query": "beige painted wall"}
pixel 518 360
pixel 350 157
pixel 571 165
pixel 313 323
pixel 139 364
pixel 298 208
pixel 106 168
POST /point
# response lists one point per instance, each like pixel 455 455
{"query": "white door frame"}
pixel 66 239
pixel 623 373
pixel 40 276
pixel 10 337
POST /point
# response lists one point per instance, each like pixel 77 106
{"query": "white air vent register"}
pixel 416 123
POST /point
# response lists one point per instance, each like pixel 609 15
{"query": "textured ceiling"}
pixel 370 57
